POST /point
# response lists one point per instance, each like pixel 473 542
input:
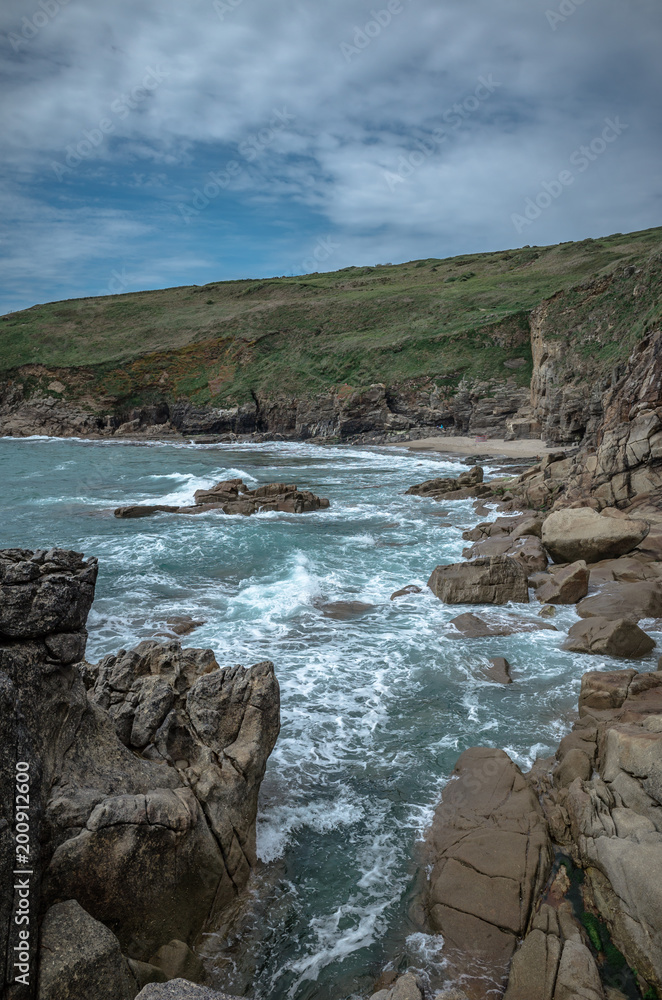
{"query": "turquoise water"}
pixel 375 710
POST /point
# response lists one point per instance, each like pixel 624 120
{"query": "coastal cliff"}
pixel 524 343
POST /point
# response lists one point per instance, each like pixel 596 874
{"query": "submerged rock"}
pixel 491 580
pixel 499 670
pixel 470 626
pixel 345 610
pixel 234 497
pixel 582 533
pixel 406 591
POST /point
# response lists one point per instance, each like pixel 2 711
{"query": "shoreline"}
pixel 465 446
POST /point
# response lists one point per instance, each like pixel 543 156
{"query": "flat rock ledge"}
pixel 232 496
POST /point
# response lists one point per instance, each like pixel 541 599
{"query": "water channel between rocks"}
pixel 375 708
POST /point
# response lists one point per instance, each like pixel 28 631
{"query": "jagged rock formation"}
pixel 143 794
pixel 232 496
pixel 604 805
pixel 467 484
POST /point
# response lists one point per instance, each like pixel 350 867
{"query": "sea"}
pixel 376 705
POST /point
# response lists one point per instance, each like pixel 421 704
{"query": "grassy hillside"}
pixel 444 319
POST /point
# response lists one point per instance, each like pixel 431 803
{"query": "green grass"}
pixel 439 320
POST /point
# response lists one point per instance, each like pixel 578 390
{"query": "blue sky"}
pixel 149 143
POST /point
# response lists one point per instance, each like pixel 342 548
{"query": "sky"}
pixel 152 143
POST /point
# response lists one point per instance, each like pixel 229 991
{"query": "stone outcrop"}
pixel 604 808
pixel 582 533
pixel 491 580
pixel 467 484
pixel 620 461
pixel 602 636
pixel 143 794
pixel 490 855
pixel 233 497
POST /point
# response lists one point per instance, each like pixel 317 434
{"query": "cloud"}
pixel 152 95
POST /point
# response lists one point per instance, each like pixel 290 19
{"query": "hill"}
pixel 454 321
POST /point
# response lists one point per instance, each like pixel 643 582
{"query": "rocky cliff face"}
pixel 620 465
pixel 143 791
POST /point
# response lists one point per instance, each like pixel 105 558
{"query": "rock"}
pixel 490 856
pixel 144 798
pixel 603 636
pixel 80 959
pixel 575 764
pixel 46 594
pixel 451 994
pixel 582 533
pixel 177 961
pixel 144 510
pixel 499 670
pixel 567 586
pixel 549 611
pixel 345 610
pixel 179 989
pixel 145 973
pixel 411 589
pixel 633 601
pixel 183 624
pixel 527 550
pixel 624 570
pixel 407 987
pixel 472 627
pixel 442 489
pixel 493 580
pixel 234 497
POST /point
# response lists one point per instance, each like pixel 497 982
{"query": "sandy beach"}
pixel 495 447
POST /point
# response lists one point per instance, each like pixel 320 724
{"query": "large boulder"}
pixel 633 601
pixel 472 627
pixel 490 856
pixel 567 585
pixel 491 580
pixel 609 638
pixel 582 533
pixel 80 959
